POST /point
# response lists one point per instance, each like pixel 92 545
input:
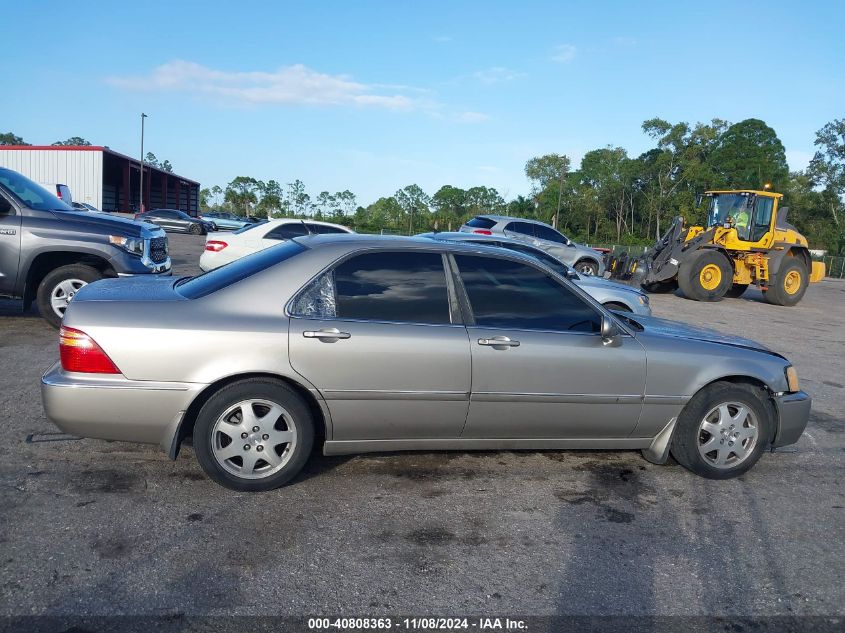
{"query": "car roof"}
pixel 279 221
pixel 510 218
pixel 459 236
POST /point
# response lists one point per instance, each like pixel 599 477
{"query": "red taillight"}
pixel 482 231
pixel 80 353
pixel 215 246
pixel 136 215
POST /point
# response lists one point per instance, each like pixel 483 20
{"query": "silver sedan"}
pixel 386 344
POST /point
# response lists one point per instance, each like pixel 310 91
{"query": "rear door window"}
pixel 523 228
pixel 403 287
pixel 511 295
pixel 322 229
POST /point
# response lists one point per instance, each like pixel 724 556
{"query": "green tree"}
pixel 546 173
pixel 299 202
pixel 150 159
pixel 415 203
pixel 8 138
pixel 449 204
pixel 205 199
pixel 827 169
pixel 271 198
pixel 748 155
pixel 74 140
pixel 241 193
pixel 166 166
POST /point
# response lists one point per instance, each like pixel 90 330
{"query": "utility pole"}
pixel 559 195
pixel 141 197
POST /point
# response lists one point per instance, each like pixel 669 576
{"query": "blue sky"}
pixel 373 96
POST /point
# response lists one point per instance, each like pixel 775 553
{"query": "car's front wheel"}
pixel 195 229
pixel 253 435
pixel 587 267
pixel 59 287
pixel 723 430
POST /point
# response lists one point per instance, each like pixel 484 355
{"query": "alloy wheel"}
pixel 254 438
pixel 727 435
pixel 63 293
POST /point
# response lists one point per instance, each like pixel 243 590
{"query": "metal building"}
pixel 102 177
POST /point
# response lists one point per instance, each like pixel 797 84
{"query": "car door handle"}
pixel 498 342
pixel 329 333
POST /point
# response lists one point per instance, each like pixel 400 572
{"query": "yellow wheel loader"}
pixel 747 241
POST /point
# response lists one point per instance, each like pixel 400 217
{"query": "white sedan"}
pixel 222 248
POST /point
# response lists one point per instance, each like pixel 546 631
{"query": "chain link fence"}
pixel 834 267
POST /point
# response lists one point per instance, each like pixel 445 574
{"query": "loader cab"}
pixel 750 213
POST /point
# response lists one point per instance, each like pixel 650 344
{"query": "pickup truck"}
pixel 48 250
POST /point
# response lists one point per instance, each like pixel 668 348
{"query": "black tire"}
pixel 298 419
pixel 661 287
pixel 587 267
pixel 782 290
pixel 195 229
pixel 615 305
pixel 736 291
pixel 689 433
pixel 73 273
pixel 690 275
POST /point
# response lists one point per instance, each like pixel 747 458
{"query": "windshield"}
pixel 32 195
pixel 731 205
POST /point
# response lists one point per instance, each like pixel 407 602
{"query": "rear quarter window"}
pixel 481 223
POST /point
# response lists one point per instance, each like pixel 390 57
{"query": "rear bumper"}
pixel 115 408
pixel 793 413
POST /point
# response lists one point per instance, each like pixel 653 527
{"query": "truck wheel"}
pixel 705 276
pixel 736 291
pixel 659 287
pixel 789 285
pixel 59 287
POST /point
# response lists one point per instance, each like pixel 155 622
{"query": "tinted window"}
pixel 323 229
pixel 482 223
pixel 219 278
pixel 407 287
pixel 525 228
pixel 286 231
pixel 507 294
pixel 548 233
pixel 556 265
pixel 30 194
pixel 248 227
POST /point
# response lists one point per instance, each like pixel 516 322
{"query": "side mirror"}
pixel 5 206
pixel 610 334
pixel 571 274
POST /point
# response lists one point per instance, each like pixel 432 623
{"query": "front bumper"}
pixel 793 413
pixel 115 408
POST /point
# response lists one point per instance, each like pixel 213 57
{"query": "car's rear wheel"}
pixel 59 287
pixel 723 431
pixel 253 435
pixel 587 267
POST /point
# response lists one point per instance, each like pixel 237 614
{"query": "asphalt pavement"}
pixel 92 527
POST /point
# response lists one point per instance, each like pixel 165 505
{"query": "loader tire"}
pixel 661 287
pixel 789 285
pixel 736 291
pixel 706 276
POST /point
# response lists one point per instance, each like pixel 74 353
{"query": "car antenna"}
pixel 307 228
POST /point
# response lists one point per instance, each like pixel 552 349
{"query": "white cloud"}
pixel 288 85
pixel 472 117
pixel 496 74
pixel 564 53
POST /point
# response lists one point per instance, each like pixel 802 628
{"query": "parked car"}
pixel 384 343
pixel 612 295
pixel 62 192
pixel 48 251
pixel 175 221
pixel 84 206
pixel 222 249
pixel 583 259
pixel 227 221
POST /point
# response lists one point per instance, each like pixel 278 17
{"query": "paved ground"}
pixel 95 527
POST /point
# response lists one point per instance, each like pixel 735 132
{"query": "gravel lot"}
pixel 92 527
